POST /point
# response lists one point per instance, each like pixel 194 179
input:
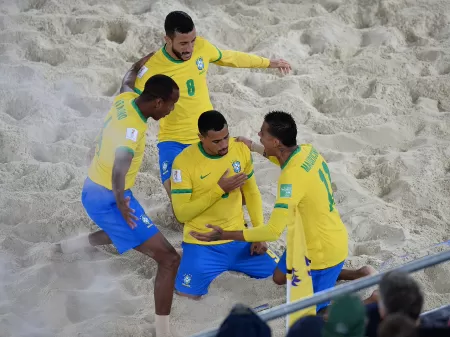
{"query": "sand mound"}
pixel 370 88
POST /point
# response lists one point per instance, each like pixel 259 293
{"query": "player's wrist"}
pixel 257 148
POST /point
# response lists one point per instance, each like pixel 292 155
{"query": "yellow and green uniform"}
pixel 198 200
pixel 317 240
pixel 179 129
pixel 181 125
pixel 123 127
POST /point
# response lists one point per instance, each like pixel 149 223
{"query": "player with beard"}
pixel 186 58
pixel 206 181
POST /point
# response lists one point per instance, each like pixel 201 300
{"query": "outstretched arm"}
pixel 237 59
pixel 130 77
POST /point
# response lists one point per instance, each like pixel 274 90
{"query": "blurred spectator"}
pixel 397 325
pixel 243 322
pixel 346 318
pixel 398 293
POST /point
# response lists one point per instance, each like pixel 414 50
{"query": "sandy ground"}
pixel 370 88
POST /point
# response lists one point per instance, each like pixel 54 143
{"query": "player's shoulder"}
pixel 239 147
pixel 125 96
pixel 186 155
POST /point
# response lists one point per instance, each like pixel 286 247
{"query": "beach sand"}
pixel 370 88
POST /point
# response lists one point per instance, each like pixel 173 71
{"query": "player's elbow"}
pixel 181 215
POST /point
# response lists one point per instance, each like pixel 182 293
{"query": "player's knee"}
pixel 279 278
pixel 171 260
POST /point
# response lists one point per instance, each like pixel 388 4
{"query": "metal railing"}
pixel 350 287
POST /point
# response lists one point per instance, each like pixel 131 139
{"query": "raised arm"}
pixel 237 59
pixel 130 77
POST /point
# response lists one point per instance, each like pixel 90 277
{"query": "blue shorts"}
pixel 322 279
pixel 100 204
pixel 167 153
pixel 201 264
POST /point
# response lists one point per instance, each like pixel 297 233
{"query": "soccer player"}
pixel 304 200
pixel 186 58
pixel 205 185
pixel 107 196
pixel 279 276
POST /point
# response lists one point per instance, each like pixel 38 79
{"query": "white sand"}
pixel 370 88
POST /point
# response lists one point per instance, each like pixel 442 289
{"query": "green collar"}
pixel 133 103
pixel 170 58
pixel 202 150
pixel 297 150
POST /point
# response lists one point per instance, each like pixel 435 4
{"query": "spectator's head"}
pixel 243 322
pixel 397 325
pixel 180 35
pixel 309 326
pixel 278 132
pixel 159 97
pixel 214 135
pixel 399 293
pixel 346 318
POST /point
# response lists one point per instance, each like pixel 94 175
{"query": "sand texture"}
pixel 370 88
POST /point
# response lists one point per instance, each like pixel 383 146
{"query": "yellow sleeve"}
pixel 127 131
pixel 184 205
pixel 236 59
pixel 282 214
pixel 252 194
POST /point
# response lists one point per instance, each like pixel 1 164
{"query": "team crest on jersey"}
pixel 200 64
pixel 187 280
pixel 236 166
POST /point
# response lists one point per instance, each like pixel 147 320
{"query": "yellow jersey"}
pixel 197 198
pixel 181 125
pixel 124 126
pixel 304 189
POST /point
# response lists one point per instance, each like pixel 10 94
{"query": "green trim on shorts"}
pixel 281 206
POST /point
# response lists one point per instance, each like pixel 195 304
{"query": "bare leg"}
pixel 99 238
pixel 160 250
pixel 350 275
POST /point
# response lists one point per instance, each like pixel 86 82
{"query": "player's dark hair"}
pixel 400 293
pixel 178 22
pixel 211 120
pixel 282 126
pixel 159 86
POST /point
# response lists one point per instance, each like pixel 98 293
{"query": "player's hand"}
pixel 258 248
pixel 228 184
pixel 214 235
pixel 281 64
pixel 127 212
pixel 246 141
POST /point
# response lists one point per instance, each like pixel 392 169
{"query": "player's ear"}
pixel 167 40
pixel 158 103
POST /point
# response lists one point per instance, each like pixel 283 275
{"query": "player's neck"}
pixel 139 105
pixel 285 153
pixel 170 52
